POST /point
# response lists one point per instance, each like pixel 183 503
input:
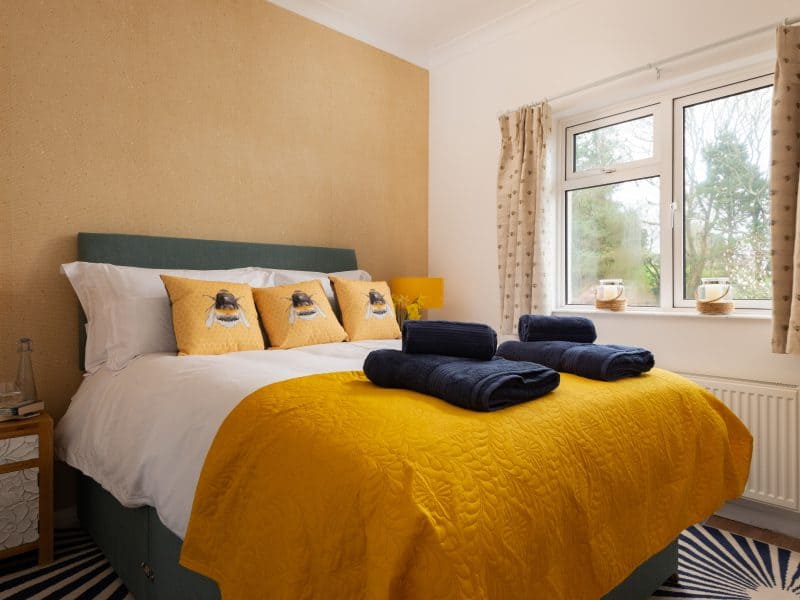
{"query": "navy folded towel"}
pixel 482 385
pixel 607 362
pixel 541 328
pixel 449 338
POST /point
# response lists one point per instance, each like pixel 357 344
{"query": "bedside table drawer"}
pixel 19 508
pixel 17 449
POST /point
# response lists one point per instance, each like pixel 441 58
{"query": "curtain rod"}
pixel 675 57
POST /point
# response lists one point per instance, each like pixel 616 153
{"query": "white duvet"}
pixel 143 433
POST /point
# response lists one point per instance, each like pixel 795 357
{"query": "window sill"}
pixel 682 313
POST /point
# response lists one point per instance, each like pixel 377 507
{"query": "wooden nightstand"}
pixel 26 487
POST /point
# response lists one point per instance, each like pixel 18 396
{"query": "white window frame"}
pixel 619 173
pixel 665 164
pixel 616 119
pixel 677 231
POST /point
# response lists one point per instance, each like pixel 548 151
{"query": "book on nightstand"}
pixel 18 400
pixel 22 411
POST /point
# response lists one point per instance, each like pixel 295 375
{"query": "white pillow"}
pixel 357 275
pixel 284 277
pixel 128 311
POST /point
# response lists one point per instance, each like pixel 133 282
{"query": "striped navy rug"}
pixel 79 571
pixel 719 565
pixel 713 565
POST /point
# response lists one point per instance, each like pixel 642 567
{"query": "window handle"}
pixel 672 208
pixel 608 170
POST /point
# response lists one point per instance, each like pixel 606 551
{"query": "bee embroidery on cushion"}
pixel 303 307
pixel 377 307
pixel 226 311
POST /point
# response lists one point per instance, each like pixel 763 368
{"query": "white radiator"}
pixel 771 413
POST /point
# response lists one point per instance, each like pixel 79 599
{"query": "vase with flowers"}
pixel 412 295
pixel 406 308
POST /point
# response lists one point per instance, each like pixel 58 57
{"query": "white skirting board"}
pixel 761 515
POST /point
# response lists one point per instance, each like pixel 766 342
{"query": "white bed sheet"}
pixel 143 432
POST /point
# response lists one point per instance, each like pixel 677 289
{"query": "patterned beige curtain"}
pixel 784 183
pixel 525 237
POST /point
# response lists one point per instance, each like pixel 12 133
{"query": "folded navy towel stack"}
pixel 542 328
pixel 548 354
pixel 481 385
pixel 449 338
pixel 607 362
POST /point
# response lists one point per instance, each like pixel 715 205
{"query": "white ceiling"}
pixel 412 29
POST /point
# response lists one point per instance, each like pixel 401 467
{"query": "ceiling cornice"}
pixel 501 27
pixel 507 24
pixel 324 14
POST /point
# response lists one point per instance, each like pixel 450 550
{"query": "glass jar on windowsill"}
pixel 610 295
pixel 714 296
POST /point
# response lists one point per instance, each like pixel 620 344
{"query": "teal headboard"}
pixel 184 253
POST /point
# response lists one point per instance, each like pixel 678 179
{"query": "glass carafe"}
pixel 24 381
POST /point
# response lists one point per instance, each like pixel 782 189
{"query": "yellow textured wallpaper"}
pixel 215 119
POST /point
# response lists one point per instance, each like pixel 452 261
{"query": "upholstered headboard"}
pixel 184 253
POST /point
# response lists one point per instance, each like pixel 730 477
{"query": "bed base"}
pixel 144 553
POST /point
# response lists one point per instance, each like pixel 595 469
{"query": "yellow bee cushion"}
pixel 213 317
pixel 298 314
pixel 367 309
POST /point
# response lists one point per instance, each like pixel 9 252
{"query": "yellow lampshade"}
pixel 430 289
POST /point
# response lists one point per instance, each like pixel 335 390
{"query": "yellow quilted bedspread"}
pixel 330 487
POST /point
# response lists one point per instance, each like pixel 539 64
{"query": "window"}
pixel 663 194
pixel 615 229
pixel 613 199
pixel 620 143
pixel 724 143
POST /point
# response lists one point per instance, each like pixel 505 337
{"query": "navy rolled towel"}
pixel 607 362
pixel 542 328
pixel 481 385
pixel 450 338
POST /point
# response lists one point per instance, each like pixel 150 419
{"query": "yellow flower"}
pixel 408 309
pixel 414 312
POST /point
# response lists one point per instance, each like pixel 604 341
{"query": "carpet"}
pixel 713 565
pixel 79 571
pixel 718 565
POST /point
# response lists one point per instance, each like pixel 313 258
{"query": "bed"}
pixel 143 543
